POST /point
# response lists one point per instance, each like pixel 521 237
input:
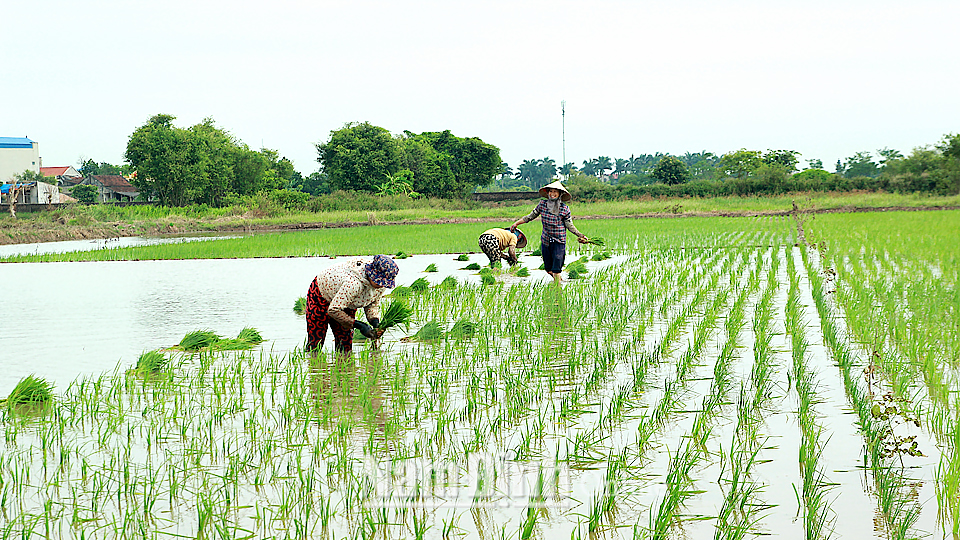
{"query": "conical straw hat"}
pixel 564 194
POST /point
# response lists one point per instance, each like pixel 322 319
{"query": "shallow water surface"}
pixel 63 320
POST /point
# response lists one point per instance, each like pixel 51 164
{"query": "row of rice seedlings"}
pixel 678 480
pixel 817 514
pixel 899 514
pixel 893 300
pixel 742 508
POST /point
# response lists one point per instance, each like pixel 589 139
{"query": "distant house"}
pixel 33 193
pixel 65 176
pixel 112 187
pixel 18 154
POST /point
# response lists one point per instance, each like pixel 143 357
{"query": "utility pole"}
pixel 563 133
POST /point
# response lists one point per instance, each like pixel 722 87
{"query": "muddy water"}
pixel 62 320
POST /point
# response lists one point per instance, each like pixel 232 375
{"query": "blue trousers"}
pixel 553 255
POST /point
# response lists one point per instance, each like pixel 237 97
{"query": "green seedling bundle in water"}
pixel 593 376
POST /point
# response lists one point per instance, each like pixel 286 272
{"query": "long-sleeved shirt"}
pixel 345 285
pixel 556 219
pixel 506 238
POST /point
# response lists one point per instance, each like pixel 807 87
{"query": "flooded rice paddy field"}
pixel 705 384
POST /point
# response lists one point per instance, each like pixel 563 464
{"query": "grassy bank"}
pixel 102 221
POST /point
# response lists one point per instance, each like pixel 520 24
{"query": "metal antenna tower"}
pixel 563 132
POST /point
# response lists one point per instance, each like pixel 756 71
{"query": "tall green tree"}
pixel 670 170
pixel 739 164
pixel 360 157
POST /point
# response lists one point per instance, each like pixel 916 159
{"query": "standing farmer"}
pixel 336 294
pixel 556 219
pixel 495 241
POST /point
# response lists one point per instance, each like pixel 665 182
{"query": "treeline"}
pixel 205 165
pixel 202 164
pixel 931 169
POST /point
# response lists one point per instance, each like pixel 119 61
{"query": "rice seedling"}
pixel 151 363
pixel 430 268
pixel 449 283
pixel 198 340
pixel 430 331
pixel 250 335
pixel 522 272
pixel 31 390
pixel 396 314
pixel 420 285
pixel 462 257
pixel 400 255
pixel 596 241
pixel 401 292
pixel 462 329
pixel 471 266
pixel 300 305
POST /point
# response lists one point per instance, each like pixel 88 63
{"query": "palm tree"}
pixel 603 163
pixel 620 167
pixel 589 167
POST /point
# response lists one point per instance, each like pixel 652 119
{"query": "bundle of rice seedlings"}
pixel 596 241
pixel 400 255
pixel 448 284
pixel 573 273
pixel 30 390
pixel 420 285
pixel 487 279
pixel 542 267
pixel 401 292
pixel 429 332
pixel 601 256
pixel 397 313
pixel 463 329
pixel 578 266
pixel 151 362
pixel 471 266
pixel 300 305
pixel 536 253
pixel 198 339
pixel 250 335
pixel 431 268
pixel 463 257
pixel 486 271
pixel 522 272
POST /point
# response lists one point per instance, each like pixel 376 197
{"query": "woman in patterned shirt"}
pixel 557 220
pixel 336 294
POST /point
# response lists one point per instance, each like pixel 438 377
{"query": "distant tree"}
pixel 546 171
pixel 567 169
pixel 589 167
pixel 860 164
pixel 84 193
pixel 670 170
pixel 465 163
pixel 89 167
pixel 887 155
pixel 785 159
pixel 621 166
pixel 360 157
pixel 814 164
pixel 700 164
pixel 603 164
pixel 316 183
pixel 739 164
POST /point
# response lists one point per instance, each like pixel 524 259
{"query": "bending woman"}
pixel 336 294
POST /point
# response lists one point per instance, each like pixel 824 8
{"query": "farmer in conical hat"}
pixel 557 220
pixel 495 241
pixel 338 292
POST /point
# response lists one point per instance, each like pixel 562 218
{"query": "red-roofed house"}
pixel 66 176
pixel 112 187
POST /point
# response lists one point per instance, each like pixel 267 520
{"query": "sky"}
pixel 826 78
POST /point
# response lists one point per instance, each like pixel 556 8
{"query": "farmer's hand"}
pixel 365 329
pixel 583 239
pixel 374 322
pixel 380 332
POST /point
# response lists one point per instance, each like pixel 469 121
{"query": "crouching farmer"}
pixel 336 294
pixel 499 244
